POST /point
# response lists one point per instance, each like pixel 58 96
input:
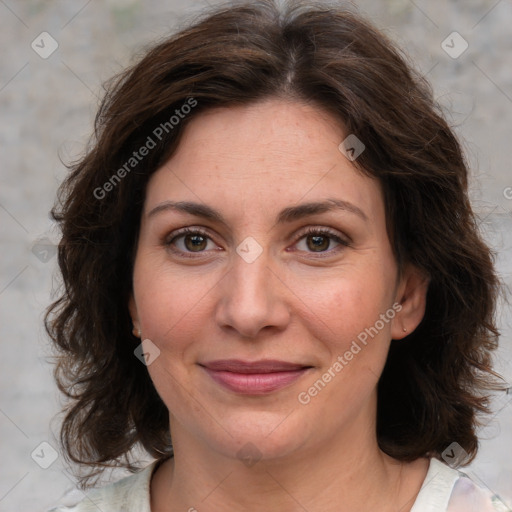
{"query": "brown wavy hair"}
pixel 435 383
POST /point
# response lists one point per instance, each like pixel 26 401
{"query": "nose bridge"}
pixel 251 280
pixel 252 298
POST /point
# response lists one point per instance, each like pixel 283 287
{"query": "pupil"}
pixel 195 242
pixel 318 242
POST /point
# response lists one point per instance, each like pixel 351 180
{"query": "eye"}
pixel 320 240
pixel 190 240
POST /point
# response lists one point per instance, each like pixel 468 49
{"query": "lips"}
pixel 262 366
pixel 254 378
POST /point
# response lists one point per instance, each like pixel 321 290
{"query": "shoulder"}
pixel 126 495
pixel 467 496
pixel 448 490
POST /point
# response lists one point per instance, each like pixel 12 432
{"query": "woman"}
pixel 274 282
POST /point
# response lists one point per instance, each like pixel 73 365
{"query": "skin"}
pixel 294 303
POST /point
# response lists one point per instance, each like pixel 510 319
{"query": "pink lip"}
pixel 254 378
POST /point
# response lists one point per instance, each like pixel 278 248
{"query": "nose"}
pixel 252 298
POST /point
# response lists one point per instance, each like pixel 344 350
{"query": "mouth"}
pixel 254 378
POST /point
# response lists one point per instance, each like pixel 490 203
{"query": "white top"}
pixel 444 490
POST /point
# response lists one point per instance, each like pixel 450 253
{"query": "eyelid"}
pixel 341 238
pixel 196 230
pixel 334 233
pixel 169 238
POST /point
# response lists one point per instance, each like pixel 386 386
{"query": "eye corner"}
pixel 170 240
pixel 341 239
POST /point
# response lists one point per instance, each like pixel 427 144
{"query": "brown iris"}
pixel 318 243
pixel 195 243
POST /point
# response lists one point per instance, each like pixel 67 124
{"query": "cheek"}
pixel 349 304
pixel 173 313
pixel 355 347
pixel 172 306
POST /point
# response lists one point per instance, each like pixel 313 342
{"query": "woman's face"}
pixel 287 259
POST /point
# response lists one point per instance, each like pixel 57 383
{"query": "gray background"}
pixel 47 107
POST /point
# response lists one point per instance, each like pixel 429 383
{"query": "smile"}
pixel 256 378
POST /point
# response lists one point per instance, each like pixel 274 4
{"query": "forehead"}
pixel 268 154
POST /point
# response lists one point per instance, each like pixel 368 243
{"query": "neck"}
pixel 347 473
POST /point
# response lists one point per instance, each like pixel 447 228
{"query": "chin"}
pixel 258 436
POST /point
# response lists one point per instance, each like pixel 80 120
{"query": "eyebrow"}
pixel 290 214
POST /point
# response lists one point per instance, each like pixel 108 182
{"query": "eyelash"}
pixel 169 240
pixel 332 235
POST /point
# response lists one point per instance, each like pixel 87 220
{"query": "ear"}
pixel 132 308
pixel 412 296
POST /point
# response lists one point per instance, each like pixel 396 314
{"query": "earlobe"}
pixel 412 296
